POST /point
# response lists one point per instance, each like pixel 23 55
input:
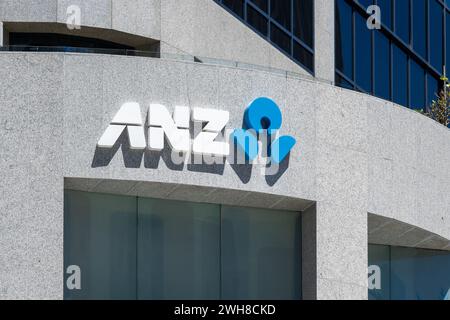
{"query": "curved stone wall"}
pixel 355 155
pixel 139 17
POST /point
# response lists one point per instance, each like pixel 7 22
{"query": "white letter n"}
pixel 176 129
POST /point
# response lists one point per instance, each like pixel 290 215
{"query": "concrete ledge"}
pixel 133 40
pixel 183 192
pixel 392 232
pixel 1 34
pixel 139 17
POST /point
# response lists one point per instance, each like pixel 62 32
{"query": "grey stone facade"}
pixel 357 156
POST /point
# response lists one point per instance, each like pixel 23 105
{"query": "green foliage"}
pixel 440 108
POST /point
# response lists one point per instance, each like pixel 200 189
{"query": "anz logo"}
pixel 258 138
pixel 263 117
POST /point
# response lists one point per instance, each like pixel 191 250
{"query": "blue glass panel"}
pixel 178 250
pixel 100 238
pixel 257 20
pixel 381 67
pixel 303 56
pixel 386 12
pixel 281 22
pixel 436 35
pixel 433 85
pixel 237 6
pixel 379 278
pixel 280 10
pixel 419 274
pixel 261 254
pixel 408 273
pixel 402 15
pixel 280 38
pixel 261 4
pixel 303 20
pixel 447 63
pixel 365 3
pixel 344 42
pixel 419 27
pixel 341 82
pixel 400 76
pixel 417 82
pixel 363 56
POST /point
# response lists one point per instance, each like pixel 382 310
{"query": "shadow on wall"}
pixel 151 159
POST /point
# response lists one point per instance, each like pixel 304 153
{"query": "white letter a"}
pixel 129 117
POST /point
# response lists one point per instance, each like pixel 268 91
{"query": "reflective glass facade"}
pixel 287 24
pixel 408 273
pixel 140 248
pixel 401 62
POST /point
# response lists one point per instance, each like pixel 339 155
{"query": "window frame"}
pixel 289 33
pixel 395 40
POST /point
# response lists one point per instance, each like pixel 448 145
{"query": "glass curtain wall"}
pixel 404 60
pixel 287 24
pixel 397 273
pixel 138 248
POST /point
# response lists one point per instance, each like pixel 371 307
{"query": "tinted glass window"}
pixel 280 10
pixel 280 38
pixel 402 15
pixel 263 241
pixel 341 82
pixel 447 63
pixel 419 274
pixel 62 40
pixel 420 27
pixel 237 6
pixel 141 248
pixel 411 30
pixel 379 272
pixel 344 38
pixel 257 20
pixel 178 250
pixel 100 238
pixel 363 56
pixel 303 22
pixel 400 76
pixel 365 3
pixel 261 4
pixel 386 12
pixel 432 84
pixel 398 273
pixel 417 86
pixel 436 35
pixel 288 24
pixel 381 66
pixel 303 56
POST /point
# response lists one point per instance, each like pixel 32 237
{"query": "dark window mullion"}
pixel 391 59
pixel 292 27
pixel 408 82
pixel 245 10
pixel 269 12
pixel 304 45
pixel 394 20
pixel 353 45
pixel 444 38
pixel 411 23
pixel 372 61
pixel 343 76
pixel 444 41
pixel 427 9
